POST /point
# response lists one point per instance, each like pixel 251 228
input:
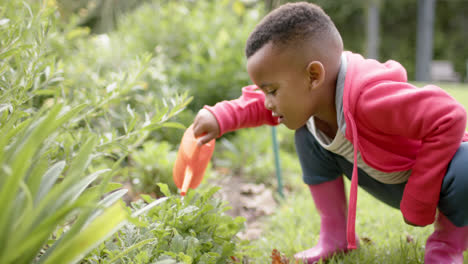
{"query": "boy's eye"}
pixel 272 92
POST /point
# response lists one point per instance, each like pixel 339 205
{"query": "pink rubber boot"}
pixel 447 243
pixel 330 201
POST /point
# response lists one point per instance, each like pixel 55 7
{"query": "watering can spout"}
pixel 187 180
pixel 191 162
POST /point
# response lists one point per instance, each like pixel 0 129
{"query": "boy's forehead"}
pixel 269 52
pixel 276 54
pixel 264 57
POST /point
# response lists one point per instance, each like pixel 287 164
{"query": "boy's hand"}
pixel 205 126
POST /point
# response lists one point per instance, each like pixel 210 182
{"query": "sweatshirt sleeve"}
pixel 430 115
pixel 246 111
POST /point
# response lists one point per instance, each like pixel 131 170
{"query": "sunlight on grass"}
pixel 384 236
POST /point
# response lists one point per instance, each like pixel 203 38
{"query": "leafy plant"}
pixel 192 229
pixel 128 93
pixel 250 153
pixel 58 150
pixel 33 206
pixel 206 58
pixel 41 194
pixel 152 164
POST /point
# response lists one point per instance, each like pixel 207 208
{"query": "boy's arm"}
pixel 430 115
pixel 246 111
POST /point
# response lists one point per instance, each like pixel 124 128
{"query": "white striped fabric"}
pixel 343 147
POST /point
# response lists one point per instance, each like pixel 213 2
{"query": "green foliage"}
pixel 151 164
pixel 250 153
pixel 68 122
pixel 128 89
pixel 99 15
pixel 450 34
pixel 192 229
pixel 202 41
pixel 41 193
pixel 33 206
pixel 129 100
pixel 27 70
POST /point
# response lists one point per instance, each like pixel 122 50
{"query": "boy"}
pixel 355 117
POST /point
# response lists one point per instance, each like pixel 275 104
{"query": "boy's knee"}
pixel 454 192
pixel 459 164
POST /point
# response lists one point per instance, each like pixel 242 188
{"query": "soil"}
pixel 251 201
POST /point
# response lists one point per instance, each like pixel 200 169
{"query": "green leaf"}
pixel 107 202
pixel 19 160
pixel 177 244
pixel 49 179
pixel 109 187
pixel 113 197
pixel 147 198
pixel 45 92
pixel 81 161
pixel 149 206
pixel 164 189
pixel 65 192
pixel 97 231
pixel 6 108
pixel 166 261
pixel 133 247
pixel 10 52
pixel 36 173
pixel 173 125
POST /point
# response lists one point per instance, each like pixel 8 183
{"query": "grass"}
pixel 295 225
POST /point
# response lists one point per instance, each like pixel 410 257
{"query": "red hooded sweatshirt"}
pixel 393 124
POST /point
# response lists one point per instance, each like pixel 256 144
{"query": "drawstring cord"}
pixel 351 225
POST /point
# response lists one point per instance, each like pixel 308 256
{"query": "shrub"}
pixel 152 164
pixel 192 229
pixel 59 149
pixel 34 207
pixel 203 41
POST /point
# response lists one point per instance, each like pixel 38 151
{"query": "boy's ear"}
pixel 316 73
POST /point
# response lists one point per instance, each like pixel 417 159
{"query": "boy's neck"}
pixel 327 121
pixel 326 128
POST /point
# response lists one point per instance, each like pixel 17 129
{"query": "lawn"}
pixel 384 237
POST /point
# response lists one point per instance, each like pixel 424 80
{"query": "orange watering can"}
pixel 191 161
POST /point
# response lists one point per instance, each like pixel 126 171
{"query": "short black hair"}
pixel 289 23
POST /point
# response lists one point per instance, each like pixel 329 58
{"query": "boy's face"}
pixel 284 78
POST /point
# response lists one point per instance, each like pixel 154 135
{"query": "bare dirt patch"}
pixel 252 201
